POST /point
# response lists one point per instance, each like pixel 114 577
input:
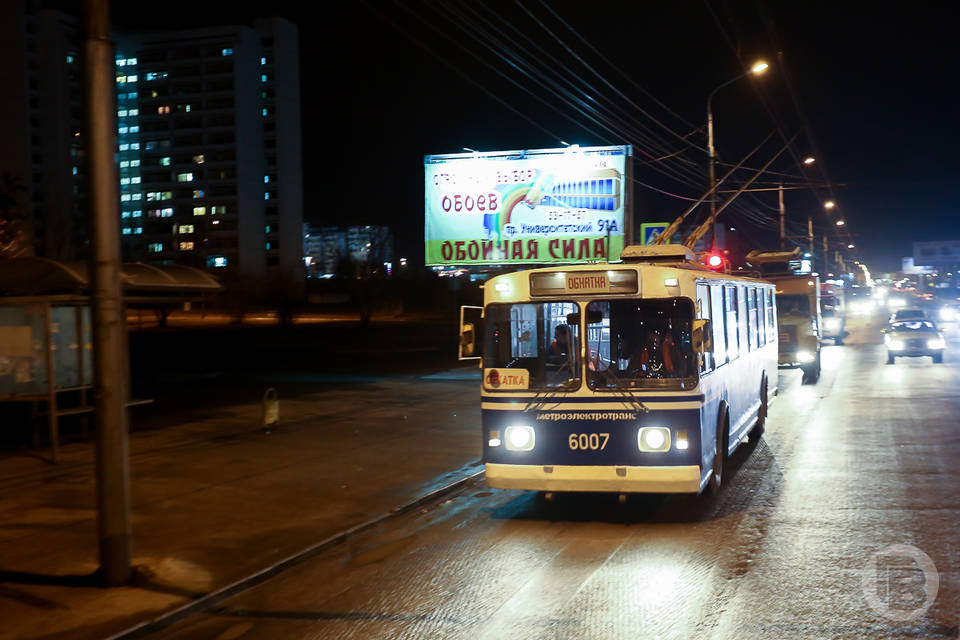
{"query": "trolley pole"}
pixel 111 383
pixel 783 218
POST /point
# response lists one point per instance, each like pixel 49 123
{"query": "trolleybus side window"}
pixel 730 307
pixel 761 318
pixel 752 326
pixel 719 324
pixel 771 317
pixel 703 312
pixel 742 321
pixel 535 338
pixel 649 343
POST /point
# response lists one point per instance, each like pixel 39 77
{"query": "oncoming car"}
pixel 914 338
pixel 903 315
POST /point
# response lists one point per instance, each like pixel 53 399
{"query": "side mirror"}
pixel 471 320
pixel 883 330
pixel 702 336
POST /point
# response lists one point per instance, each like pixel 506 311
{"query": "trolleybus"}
pixel 638 376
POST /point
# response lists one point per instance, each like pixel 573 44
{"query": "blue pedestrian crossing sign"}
pixel 650 230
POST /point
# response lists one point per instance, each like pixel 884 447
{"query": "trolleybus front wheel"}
pixel 720 457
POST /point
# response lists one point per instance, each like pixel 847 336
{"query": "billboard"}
pixel 940 253
pixel 527 207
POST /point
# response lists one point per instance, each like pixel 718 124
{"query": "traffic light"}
pixel 713 261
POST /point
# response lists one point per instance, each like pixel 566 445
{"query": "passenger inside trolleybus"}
pixel 642 343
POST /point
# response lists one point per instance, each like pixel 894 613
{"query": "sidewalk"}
pixel 218 499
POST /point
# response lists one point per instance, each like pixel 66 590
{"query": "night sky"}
pixel 875 82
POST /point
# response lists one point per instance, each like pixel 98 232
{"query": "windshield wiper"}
pixel 539 400
pixel 624 389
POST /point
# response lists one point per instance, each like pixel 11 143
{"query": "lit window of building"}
pixel 126 231
pixel 162 109
pixel 125 214
pixel 122 113
pixel 166 213
pixel 124 180
pixel 266 195
pixel 135 180
pixel 155 247
pixel 263 61
pixel 135 129
pixel 263 77
pixel 121 62
pixel 134 146
pixel 185 177
pixel 124 164
pixel 186 246
pixel 185 228
pixel 124 147
pixel 137 196
pixel 199 159
pixel 74 171
pixel 165 161
pixel 137 230
pixel 219 209
pixel 134 112
pixel 217 261
pixel 198 193
pixel 132 96
pixel 199 211
pixel 123 129
pixel 125 197
pixel 131 78
pixel 134 163
pixel 263 111
pixel 71 58
pixel 268 246
pixel 136 213
pixel 226 52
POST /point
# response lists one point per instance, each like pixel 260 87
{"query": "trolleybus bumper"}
pixel 681 479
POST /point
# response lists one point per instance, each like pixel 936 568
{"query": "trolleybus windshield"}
pixel 537 337
pixel 641 343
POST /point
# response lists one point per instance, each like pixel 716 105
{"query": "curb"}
pixel 243 584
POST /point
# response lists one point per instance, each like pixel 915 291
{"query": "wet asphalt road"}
pixel 797 545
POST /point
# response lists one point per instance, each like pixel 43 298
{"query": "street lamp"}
pixel 840 223
pixel 758 68
pixel 829 204
pixel 809 160
pixel 851 246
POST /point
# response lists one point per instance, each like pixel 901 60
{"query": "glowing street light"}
pixel 840 223
pixel 829 204
pixel 759 67
pixel 851 246
pixel 809 160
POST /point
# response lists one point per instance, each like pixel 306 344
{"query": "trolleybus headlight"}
pixel 805 356
pixel 935 343
pixel 519 438
pixel 653 439
pixel 831 324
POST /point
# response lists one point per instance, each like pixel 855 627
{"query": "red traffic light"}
pixel 714 261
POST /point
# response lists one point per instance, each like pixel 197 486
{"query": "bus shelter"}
pixel 46 345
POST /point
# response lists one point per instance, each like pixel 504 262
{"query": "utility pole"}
pixel 783 218
pixel 810 240
pixel 111 381
pixel 826 255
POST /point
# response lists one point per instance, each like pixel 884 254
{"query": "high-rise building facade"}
pixel 209 148
pixel 41 154
pixel 208 134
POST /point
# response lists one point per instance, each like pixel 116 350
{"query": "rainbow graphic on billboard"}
pixel 539 206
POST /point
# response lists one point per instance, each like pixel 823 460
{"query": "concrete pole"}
pixel 826 254
pixel 111 380
pixel 813 259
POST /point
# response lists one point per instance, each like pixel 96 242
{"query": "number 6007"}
pixel 588 441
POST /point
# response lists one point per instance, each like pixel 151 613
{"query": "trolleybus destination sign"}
pixel 537 206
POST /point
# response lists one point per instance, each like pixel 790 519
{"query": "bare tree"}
pixel 15 240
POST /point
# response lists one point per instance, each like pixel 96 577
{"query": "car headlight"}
pixel 805 356
pixel 831 324
pixel 519 438
pixel 935 343
pixel 895 345
pixel 947 314
pixel 653 439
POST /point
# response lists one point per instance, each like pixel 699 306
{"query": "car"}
pixel 914 338
pixel 949 312
pixel 903 315
pixel 834 325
